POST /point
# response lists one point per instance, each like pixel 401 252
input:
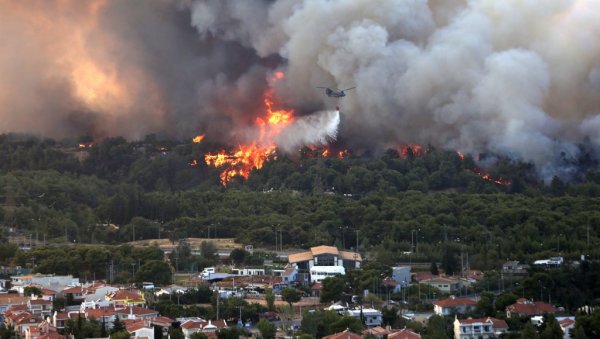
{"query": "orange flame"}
pixel 488 177
pixel 416 149
pixel 325 152
pixel 241 161
pixel 193 163
pixel 343 154
pixel 198 139
pixel 461 155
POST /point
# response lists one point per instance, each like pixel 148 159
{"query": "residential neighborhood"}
pixel 400 305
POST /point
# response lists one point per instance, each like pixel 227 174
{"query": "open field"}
pixel 221 243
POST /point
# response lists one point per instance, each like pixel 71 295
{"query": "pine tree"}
pixel 434 268
pixel 529 331
pixel 117 325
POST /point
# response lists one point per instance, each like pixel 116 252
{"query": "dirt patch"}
pixel 221 243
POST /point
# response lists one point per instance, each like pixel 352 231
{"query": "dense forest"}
pixel 434 202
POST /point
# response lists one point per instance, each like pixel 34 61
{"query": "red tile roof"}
pixel 125 295
pixel 455 302
pixel 499 323
pixel 404 334
pixel 40 302
pixel 137 310
pixel 190 324
pixel 496 323
pixel 74 290
pixel 566 322
pixel 377 331
pixel 134 326
pixel 62 316
pixel 162 321
pixel 424 276
pixel 17 308
pixel 12 299
pixel 343 335
pixel 99 313
pixel 529 308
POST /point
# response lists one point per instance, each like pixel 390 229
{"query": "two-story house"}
pixel 40 307
pixel 370 316
pixel 324 261
pixel 453 305
pixel 479 328
pixel 528 308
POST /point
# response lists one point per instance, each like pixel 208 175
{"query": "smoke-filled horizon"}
pixel 517 78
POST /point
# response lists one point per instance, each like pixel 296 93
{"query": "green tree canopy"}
pixel 291 295
pixel 156 271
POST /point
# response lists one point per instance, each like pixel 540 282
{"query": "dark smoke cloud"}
pixel 514 78
pixel 120 68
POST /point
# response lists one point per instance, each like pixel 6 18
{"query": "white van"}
pixel 206 272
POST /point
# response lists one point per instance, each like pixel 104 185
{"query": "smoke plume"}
pixel 517 78
pixel 316 129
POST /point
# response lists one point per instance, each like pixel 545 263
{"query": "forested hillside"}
pixel 435 202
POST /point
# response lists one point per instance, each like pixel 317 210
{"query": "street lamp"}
pixel 414 239
pixel 132 272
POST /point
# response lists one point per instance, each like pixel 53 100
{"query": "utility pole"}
pixel 132 272
pixel 240 321
pixel 276 243
pixel 356 241
pixel 462 267
pixel 280 239
pixel 588 236
pixel 218 301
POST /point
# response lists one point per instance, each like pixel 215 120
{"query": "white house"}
pixel 567 324
pixel 318 273
pixel 371 316
pixel 248 271
pixel 140 330
pixel 453 305
pixel 479 328
pixel 325 256
pixel 339 309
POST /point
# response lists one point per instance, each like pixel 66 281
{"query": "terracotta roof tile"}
pixel 496 323
pixel 455 302
pixel 318 250
pixel 404 334
pixel 529 308
pixel 343 335
pixel 299 257
pixel 566 322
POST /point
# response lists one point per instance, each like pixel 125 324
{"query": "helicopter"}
pixel 335 93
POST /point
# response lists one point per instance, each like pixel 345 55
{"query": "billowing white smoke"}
pixel 316 129
pixel 512 77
